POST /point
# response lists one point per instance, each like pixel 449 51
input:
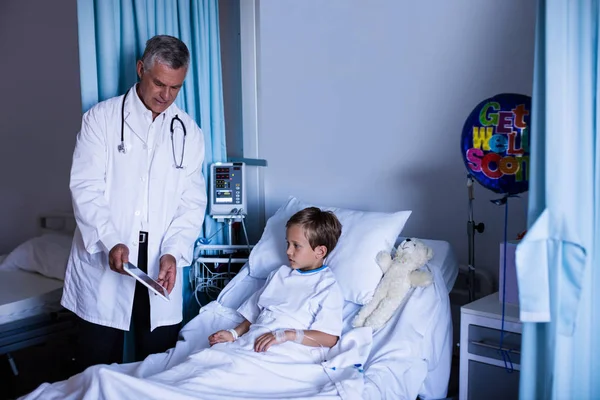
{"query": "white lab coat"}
pixel 108 191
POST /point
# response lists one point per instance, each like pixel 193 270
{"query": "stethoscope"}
pixel 121 147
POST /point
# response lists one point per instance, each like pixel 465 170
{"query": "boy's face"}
pixel 299 252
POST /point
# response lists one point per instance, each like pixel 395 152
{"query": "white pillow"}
pixel 46 254
pixel 364 234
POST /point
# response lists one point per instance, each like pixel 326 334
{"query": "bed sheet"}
pixel 226 371
pixel 24 294
pixel 398 361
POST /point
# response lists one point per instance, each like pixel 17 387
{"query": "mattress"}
pixel 24 294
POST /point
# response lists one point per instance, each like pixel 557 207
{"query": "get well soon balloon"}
pixel 495 143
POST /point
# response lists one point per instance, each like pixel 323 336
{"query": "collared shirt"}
pixel 152 128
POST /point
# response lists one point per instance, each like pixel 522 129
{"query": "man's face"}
pixel 159 86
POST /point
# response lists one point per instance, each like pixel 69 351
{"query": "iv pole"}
pixel 471 228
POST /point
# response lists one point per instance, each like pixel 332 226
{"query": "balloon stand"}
pixel 472 227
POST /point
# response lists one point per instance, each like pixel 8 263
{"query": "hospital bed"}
pixel 31 281
pixel 409 357
pixel 412 354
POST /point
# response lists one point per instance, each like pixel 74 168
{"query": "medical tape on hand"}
pixel 299 336
pixel 280 335
pixel 233 333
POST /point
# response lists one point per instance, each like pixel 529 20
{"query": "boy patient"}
pixel 299 303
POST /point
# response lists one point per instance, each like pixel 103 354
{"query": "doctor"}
pixel 139 196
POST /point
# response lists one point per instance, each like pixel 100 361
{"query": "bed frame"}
pixel 46 326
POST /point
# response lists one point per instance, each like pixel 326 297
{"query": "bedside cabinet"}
pixel 483 372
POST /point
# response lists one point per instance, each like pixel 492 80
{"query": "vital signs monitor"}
pixel 227 189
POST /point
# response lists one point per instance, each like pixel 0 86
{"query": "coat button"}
pixel 137 212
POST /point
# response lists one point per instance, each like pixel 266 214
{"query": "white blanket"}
pixel 226 371
pixel 407 358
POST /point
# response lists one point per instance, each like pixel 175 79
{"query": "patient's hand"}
pixel 263 342
pixel 220 337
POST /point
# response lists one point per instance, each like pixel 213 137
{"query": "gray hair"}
pixel 167 50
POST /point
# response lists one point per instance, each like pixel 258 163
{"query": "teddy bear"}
pixel 400 273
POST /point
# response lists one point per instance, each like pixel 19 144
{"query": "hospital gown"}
pixel 293 299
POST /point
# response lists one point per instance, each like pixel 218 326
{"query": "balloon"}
pixel 495 143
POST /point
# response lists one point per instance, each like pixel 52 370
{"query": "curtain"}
pixel 112 37
pixel 558 260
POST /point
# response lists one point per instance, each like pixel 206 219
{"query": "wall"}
pixel 361 105
pixel 40 112
pixel 353 104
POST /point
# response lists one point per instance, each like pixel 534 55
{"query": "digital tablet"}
pixel 150 283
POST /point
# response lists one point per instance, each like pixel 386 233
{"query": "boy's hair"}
pixel 322 228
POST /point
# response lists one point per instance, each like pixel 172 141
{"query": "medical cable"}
pixel 280 337
pixel 202 278
pixel 211 283
pixel 208 240
pixel 323 349
pixel 208 287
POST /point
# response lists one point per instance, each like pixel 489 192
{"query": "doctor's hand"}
pixel 220 337
pixel 117 256
pixel 167 272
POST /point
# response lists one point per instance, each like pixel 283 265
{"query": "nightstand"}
pixel 483 372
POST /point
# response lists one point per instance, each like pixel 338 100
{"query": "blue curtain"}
pixel 558 260
pixel 112 37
